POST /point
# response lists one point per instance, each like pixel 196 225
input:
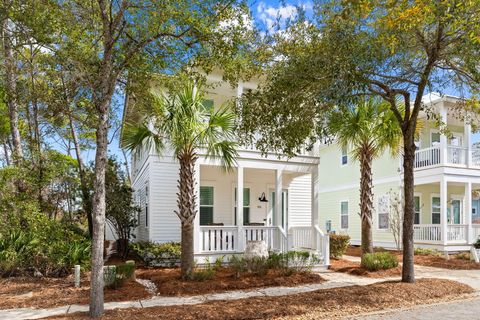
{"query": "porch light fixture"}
pixel 263 198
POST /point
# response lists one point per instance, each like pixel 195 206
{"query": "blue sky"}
pixel 265 14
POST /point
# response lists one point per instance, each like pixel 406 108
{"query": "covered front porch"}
pixel 286 222
pixel 447 214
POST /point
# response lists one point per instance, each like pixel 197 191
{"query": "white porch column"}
pixel 443 209
pixel 443 137
pixel 278 197
pixel 241 236
pixel 468 142
pixel 197 247
pixel 468 209
pixel 314 218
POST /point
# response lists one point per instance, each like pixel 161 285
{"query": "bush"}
pixel 154 254
pixel 379 261
pixel 476 245
pixel 208 270
pixel 116 276
pixel 287 263
pixel 35 243
pixel 426 252
pixel 463 256
pixel 338 245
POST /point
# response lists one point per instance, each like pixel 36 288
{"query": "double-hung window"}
pixel 383 212
pixel 416 201
pixel 206 205
pixel 246 206
pixel 344 215
pixel 344 155
pixel 435 210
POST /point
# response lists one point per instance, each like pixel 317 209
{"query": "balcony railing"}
pixel 454 155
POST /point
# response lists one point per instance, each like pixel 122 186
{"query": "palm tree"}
pixel 367 130
pixel 179 123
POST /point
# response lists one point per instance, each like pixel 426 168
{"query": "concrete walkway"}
pixel 334 280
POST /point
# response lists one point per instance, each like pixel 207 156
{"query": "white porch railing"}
pixel 261 233
pixel 427 233
pixel 323 246
pixel 218 238
pixel 476 231
pixel 427 157
pixel 476 157
pixel 456 155
pixel 457 233
pixel 302 237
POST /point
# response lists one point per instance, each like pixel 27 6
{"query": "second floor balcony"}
pixel 450 155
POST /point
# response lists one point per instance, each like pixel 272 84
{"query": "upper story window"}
pixel 146 206
pixel 344 155
pixel 416 200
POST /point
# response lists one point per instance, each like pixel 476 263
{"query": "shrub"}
pixel 208 270
pixel 116 276
pixel 476 245
pixel 463 256
pixel 338 245
pixel 426 252
pixel 154 254
pixel 36 243
pixel 379 261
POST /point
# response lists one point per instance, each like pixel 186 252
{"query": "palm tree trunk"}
pixel 187 211
pixel 366 200
pixel 408 274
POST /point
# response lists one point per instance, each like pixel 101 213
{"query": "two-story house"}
pixel 447 183
pixel 275 195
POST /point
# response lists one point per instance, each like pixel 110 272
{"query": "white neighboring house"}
pixel 284 222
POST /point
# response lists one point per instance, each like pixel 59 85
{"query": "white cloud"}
pixel 269 15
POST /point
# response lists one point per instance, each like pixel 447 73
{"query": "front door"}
pixel 455 212
pixel 272 208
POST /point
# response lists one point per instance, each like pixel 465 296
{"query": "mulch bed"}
pixel 352 267
pixel 53 292
pixel 320 304
pixel 427 260
pixel 169 283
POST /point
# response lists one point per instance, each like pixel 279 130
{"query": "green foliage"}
pixel 124 272
pixel 287 263
pixel 154 254
pixel 379 261
pixel 207 271
pixel 426 252
pixel 477 244
pixel 36 243
pixel 338 244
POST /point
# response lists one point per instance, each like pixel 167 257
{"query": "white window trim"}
pixel 377 212
pixel 431 132
pixel 460 197
pixel 341 157
pixel 246 185
pixel 340 215
pixel 419 195
pixel 435 195
pixel 214 195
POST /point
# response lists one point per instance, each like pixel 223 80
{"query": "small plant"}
pixel 238 265
pixel 463 256
pixel 206 272
pixel 338 245
pixel 155 254
pixel 476 245
pixel 379 261
pixel 426 252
